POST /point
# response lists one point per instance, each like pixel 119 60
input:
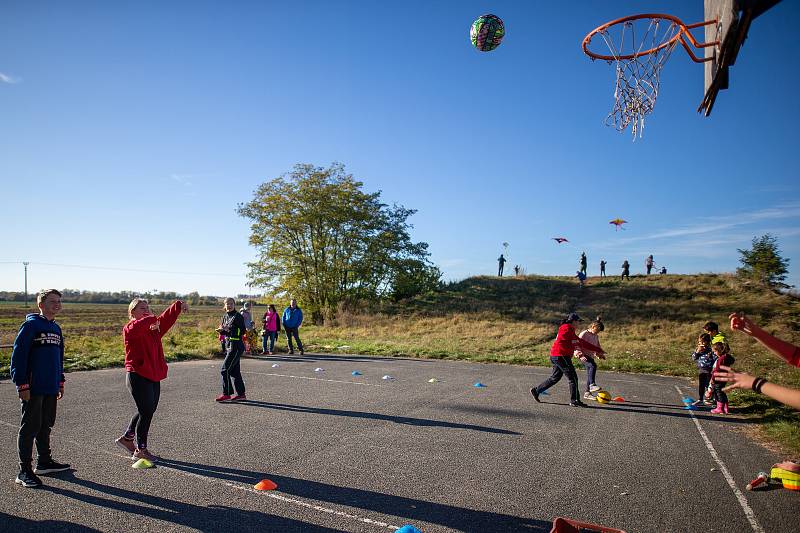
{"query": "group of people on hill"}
pixel 581 274
pixel 37 370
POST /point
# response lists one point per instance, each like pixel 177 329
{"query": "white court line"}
pixel 314 379
pixel 748 512
pixel 246 488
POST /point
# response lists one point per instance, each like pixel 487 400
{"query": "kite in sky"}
pixel 559 240
pixel 618 222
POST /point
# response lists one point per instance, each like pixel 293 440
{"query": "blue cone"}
pixel 687 400
pixel 690 407
pixel 356 373
pixel 478 384
pixel 408 528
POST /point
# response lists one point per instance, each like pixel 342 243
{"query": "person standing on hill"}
pixel 37 369
pixel 626 270
pixel 649 263
pixel 583 262
pixel 602 268
pixel 233 328
pixel 146 367
pixel 272 325
pixel 561 358
pixel 501 261
pixel 292 320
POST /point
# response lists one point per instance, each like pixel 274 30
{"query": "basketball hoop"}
pixel 640 46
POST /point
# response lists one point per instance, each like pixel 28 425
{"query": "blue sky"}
pixel 130 132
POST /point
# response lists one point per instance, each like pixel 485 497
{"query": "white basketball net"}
pixel 637 79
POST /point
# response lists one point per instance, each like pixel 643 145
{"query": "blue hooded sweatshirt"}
pixel 37 362
pixel 292 318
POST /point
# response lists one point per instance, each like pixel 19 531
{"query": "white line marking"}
pixel 314 379
pixel 245 487
pixel 748 512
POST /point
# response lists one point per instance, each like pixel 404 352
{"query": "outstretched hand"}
pixel 735 380
pixel 741 323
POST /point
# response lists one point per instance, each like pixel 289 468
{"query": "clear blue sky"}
pixel 130 131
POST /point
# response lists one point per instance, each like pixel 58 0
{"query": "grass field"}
pixel 651 326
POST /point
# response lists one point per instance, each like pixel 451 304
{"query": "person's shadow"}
pixel 23 525
pixel 408 509
pixel 374 416
pixel 198 517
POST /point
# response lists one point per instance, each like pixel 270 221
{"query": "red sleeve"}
pixel 138 328
pixel 588 346
pixel 167 318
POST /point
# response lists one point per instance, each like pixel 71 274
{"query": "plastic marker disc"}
pixel 265 484
pixel 142 463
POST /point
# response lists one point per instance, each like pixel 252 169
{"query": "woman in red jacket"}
pixel 561 357
pixel 146 366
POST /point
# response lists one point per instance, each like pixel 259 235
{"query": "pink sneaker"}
pixel 142 453
pixel 126 444
pixel 239 398
pixel 223 398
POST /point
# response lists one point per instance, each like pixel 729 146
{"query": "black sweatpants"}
pixel 145 394
pixel 37 418
pixel 231 369
pixel 562 366
pixel 703 379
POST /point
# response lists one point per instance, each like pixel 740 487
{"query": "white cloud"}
pixel 5 78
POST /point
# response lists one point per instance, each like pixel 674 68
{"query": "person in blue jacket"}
pixel 37 369
pixel 292 320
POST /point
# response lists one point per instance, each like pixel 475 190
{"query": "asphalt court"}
pixel 360 453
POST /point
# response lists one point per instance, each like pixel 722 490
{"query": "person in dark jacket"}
pixel 233 327
pixel 37 369
pixel 292 320
pixel 626 270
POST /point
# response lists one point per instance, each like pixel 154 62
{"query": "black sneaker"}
pixel 28 479
pixel 535 395
pixel 48 467
pixel 578 404
pixel 291 352
pixel 302 352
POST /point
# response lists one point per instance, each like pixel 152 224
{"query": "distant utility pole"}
pixel 26 263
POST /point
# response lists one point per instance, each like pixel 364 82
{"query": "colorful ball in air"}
pixel 486 32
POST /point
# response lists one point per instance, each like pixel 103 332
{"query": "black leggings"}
pixel 146 394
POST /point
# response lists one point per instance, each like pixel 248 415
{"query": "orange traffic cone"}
pixel 265 484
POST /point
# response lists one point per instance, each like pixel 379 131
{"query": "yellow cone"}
pixel 142 463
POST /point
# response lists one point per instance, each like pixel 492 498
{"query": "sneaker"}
pixel 302 352
pixel 291 352
pixel 142 453
pixel 588 396
pixel 239 398
pixel 535 395
pixel 50 466
pixel 578 404
pixel 223 398
pixel 698 403
pixel 594 388
pixel 27 478
pixel 126 444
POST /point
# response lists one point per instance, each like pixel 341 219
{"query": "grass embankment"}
pixel 652 324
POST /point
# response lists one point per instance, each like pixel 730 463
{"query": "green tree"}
pixel 323 240
pixel 763 262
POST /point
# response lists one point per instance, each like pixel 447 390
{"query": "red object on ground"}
pixel 567 525
pixel 265 484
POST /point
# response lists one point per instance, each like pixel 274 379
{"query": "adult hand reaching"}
pixel 741 380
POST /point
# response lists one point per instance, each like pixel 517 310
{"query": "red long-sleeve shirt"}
pixel 567 342
pixel 144 353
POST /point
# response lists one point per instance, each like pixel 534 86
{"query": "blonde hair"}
pixel 133 304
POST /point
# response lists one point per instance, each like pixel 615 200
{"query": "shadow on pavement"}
pixel 324 357
pixel 16 523
pixel 681 413
pixel 374 416
pixel 408 509
pixel 199 517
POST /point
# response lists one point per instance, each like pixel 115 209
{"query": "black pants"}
pixel 38 416
pixel 231 369
pixel 293 332
pixel 719 394
pixel 145 394
pixel 562 366
pixel 703 378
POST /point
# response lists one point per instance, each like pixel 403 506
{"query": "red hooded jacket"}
pixel 567 342
pixel 144 353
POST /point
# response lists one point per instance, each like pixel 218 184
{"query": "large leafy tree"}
pixel 763 262
pixel 322 239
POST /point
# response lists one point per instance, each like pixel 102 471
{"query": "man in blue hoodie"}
pixel 37 369
pixel 292 319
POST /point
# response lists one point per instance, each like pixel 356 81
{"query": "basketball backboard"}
pixel 733 22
